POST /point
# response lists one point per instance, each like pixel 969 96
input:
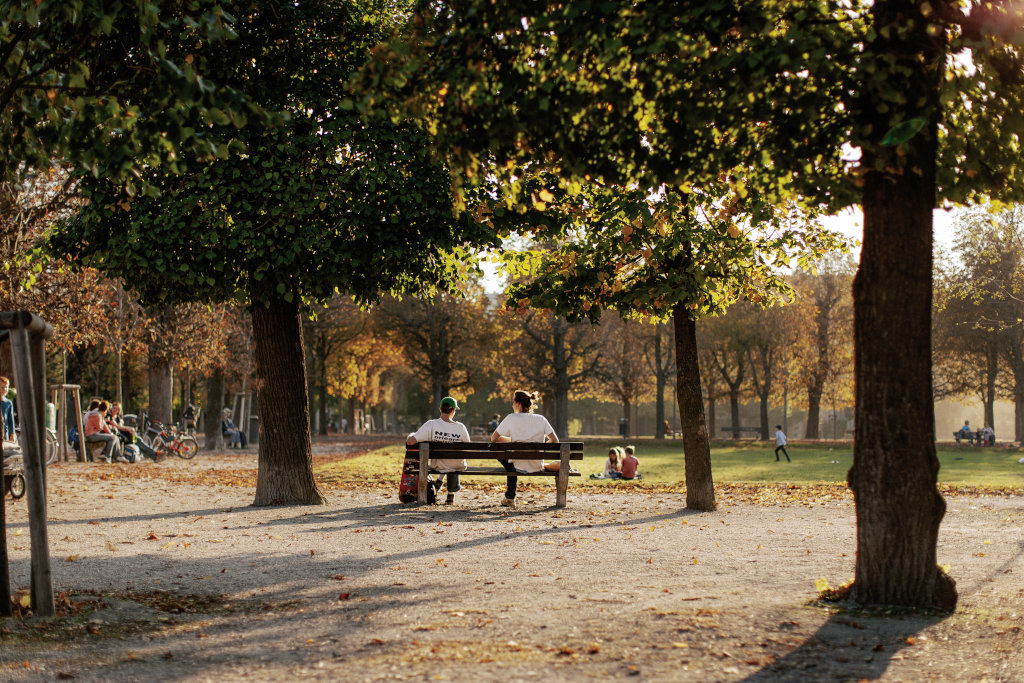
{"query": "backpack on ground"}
pixel 408 485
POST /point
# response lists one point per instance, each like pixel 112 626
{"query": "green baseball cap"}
pixel 449 403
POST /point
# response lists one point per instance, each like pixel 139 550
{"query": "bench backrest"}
pixel 502 451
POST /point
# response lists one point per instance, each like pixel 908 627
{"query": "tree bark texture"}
pixel 285 474
pixel 813 412
pixel 159 388
pixel 895 468
pixel 700 488
pixel 214 404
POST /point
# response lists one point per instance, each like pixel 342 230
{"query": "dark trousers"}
pixel 510 482
pixel 784 452
pixel 449 478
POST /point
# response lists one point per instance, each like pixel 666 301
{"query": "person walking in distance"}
pixel 444 429
pixel 780 444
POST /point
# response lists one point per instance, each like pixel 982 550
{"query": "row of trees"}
pixel 667 153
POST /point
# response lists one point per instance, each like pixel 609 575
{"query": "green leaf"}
pixel 902 132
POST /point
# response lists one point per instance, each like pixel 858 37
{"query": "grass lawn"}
pixel 661 462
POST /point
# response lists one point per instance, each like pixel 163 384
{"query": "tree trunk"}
pixel 159 388
pixel 734 412
pixel 1018 404
pixel 659 408
pixel 764 418
pixel 211 416
pixel 700 489
pixel 560 380
pixel 895 468
pixel 711 415
pixel 813 411
pixel 285 472
pixel 627 413
pixel 991 371
pixel 322 405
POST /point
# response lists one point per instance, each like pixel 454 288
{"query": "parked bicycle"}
pixel 165 440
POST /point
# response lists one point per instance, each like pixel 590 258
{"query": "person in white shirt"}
pixel 446 430
pixel 523 425
pixel 780 443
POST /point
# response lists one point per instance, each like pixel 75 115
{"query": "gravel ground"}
pixel 196 585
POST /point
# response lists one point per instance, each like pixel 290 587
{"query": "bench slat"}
pixel 500 472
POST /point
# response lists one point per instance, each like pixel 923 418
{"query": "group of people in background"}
pixel 986 436
pixel 104 424
pixel 621 464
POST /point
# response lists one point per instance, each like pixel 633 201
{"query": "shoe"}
pixel 508 502
pixel 121 458
pixel 573 470
pixel 450 499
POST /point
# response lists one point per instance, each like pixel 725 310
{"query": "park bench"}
pixel 742 430
pixel 565 452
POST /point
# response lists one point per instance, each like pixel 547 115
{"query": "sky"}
pixel 851 223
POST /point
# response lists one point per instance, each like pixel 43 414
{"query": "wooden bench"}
pixel 742 430
pixel 564 452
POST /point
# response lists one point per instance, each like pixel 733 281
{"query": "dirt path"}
pixel 200 586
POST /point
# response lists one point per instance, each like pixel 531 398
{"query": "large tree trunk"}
pixel 700 489
pixel 285 472
pixel 159 388
pixel 895 468
pixel 764 418
pixel 214 404
pixel 659 408
pixel 813 411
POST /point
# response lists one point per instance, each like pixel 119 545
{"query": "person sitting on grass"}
pixel 611 465
pixel 630 465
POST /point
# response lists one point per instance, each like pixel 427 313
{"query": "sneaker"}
pixel 450 499
pixel 121 458
pixel 508 502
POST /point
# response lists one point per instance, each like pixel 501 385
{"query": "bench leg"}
pixel 562 480
pixel 421 489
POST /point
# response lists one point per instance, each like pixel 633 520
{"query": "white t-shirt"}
pixel 441 430
pixel 526 427
pixel 780 438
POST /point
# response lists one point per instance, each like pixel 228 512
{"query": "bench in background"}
pixel 564 452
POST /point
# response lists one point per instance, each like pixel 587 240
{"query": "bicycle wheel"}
pixel 50 447
pixel 188 447
pixel 17 486
pixel 158 445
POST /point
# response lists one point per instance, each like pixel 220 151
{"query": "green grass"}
pixel 661 462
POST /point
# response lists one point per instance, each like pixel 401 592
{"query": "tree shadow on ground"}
pixel 849 646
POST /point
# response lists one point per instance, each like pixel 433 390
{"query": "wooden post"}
pixel 421 489
pixel 5 578
pixel 562 481
pixel 30 371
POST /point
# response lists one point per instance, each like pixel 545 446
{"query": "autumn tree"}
pixel 656 338
pixel 676 94
pixel 447 340
pixel 324 203
pixel 326 334
pixel 623 370
pixel 824 306
pixel 546 353
pixel 983 305
pixel 671 254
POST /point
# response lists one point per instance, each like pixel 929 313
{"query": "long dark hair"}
pixel 525 399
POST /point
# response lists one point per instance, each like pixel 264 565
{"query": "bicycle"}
pixel 165 440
